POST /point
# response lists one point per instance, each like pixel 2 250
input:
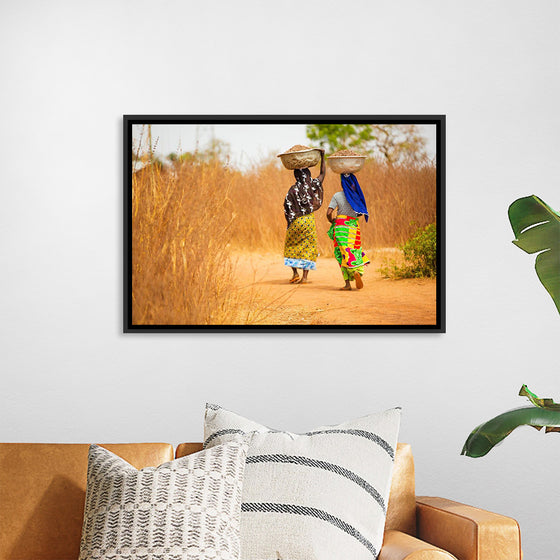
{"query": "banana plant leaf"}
pixel 536 227
pixel 483 438
pixel 537 401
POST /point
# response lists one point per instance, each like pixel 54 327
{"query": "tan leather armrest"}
pixel 467 532
pixel 400 546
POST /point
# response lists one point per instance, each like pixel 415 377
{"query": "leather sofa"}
pixel 42 492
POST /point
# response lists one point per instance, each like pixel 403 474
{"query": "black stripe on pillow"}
pixel 312 512
pixel 360 433
pixel 221 433
pixel 315 463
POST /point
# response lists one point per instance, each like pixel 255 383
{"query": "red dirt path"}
pixel 320 302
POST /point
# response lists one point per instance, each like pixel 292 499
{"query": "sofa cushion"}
pixel 186 509
pixel 42 493
pixel 321 494
pixel 401 510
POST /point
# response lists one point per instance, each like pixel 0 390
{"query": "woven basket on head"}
pixel 301 158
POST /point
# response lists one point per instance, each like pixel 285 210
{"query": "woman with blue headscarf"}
pixel 345 230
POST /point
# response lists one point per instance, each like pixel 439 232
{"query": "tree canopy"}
pixel 392 143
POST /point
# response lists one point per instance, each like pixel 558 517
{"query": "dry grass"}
pixel 400 199
pixel 187 221
pixel 181 223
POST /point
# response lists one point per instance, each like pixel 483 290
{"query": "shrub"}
pixel 419 254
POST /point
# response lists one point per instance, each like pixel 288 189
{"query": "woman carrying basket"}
pixel 303 198
pixel 345 230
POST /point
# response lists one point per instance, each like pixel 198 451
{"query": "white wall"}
pixel 70 70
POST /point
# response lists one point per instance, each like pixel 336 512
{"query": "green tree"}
pixel 333 137
pixel 392 143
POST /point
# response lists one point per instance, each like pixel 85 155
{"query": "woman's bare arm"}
pixel 329 215
pixel 322 172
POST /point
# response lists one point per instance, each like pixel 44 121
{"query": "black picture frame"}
pixel 130 120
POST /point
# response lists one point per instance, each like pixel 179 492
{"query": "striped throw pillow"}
pixel 313 496
pixel 187 509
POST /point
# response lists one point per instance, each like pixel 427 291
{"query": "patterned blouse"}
pixel 305 197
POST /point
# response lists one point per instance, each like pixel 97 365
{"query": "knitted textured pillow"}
pixel 312 496
pixel 187 509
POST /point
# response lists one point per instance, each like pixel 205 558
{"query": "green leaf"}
pixel 536 227
pixel 541 403
pixel 544 413
pixel 484 437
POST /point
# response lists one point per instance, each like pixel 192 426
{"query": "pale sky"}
pixel 249 143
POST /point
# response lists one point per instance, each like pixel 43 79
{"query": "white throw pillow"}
pixel 187 509
pixel 321 495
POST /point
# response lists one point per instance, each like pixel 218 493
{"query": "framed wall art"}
pixel 284 223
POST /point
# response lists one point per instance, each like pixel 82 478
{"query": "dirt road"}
pixel 321 302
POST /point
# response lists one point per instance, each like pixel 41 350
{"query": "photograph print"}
pixel 284 223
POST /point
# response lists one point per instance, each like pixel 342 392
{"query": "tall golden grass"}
pixel 400 199
pixel 188 220
pixel 181 222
